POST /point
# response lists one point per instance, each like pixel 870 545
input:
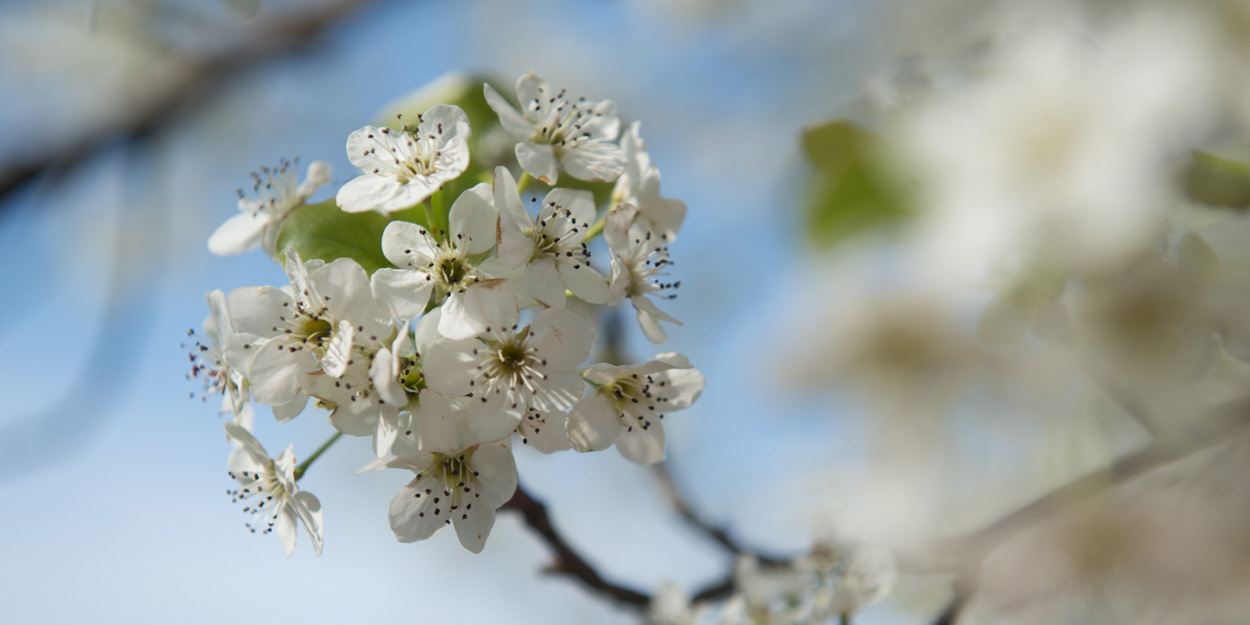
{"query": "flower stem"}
pixel 303 466
pixel 523 182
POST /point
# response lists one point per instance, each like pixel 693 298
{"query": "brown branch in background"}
pixel 275 37
pixel 567 561
pixel 973 549
pixel 718 535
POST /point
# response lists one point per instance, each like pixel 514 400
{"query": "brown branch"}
pixel 973 549
pixel 569 562
pixel 718 535
pixel 273 38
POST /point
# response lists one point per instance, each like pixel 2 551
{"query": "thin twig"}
pixel 718 535
pixel 567 561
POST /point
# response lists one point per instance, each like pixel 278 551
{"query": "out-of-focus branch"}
pixel 718 535
pixel 567 561
pixel 273 38
pixel 973 548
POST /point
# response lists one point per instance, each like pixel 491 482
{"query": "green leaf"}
pixel 323 231
pixel 850 191
pixel 1217 181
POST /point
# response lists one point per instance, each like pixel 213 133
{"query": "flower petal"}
pixel 474 217
pixel 538 160
pixel 587 284
pixel 513 121
pixel 561 338
pixel 592 424
pixel 366 193
pixel 544 283
pixel 238 234
pixel 404 293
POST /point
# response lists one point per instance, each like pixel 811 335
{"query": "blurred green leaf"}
pixel 323 231
pixel 850 191
pixel 1216 180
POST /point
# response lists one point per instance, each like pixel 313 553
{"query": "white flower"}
pixel 220 357
pixel 460 480
pixel 640 186
pixel 551 128
pixel 629 403
pixel 403 168
pixel 639 258
pixel 1065 151
pixel 268 488
pixel 548 246
pixel 438 267
pixel 259 220
pixel 329 310
pixel 507 370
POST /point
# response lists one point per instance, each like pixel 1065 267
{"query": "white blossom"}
pixel 219 358
pixel 629 404
pixel 328 310
pixel 640 186
pixel 402 168
pixel 268 488
pixel 547 247
pixel 509 370
pixel 551 128
pixel 259 218
pixel 438 267
pixel 639 260
pixel 460 480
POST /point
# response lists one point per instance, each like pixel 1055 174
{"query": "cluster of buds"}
pixel 463 338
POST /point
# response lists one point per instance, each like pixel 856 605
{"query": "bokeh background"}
pixel 127 125
pixel 113 479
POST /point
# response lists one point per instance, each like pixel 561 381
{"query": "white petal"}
pixel 412 512
pixel 562 339
pixel 275 370
pixel 284 527
pixel 473 216
pixel 387 431
pixel 439 429
pixel 488 305
pixel 254 454
pixel 319 173
pixel 255 309
pixel 408 245
pixel 586 283
pixel 497 478
pixel 495 412
pixel 579 202
pixel 508 201
pixel 538 160
pixel 291 409
pixel 239 234
pixel 616 228
pixel 546 436
pixel 371 148
pixel 559 392
pixel 644 446
pixel 339 350
pixel 308 509
pixel 543 280
pixel 473 526
pixel 528 88
pixel 596 161
pixel 404 293
pixel 426 332
pixel 382 373
pixel 345 289
pixel 449 366
pixel 513 121
pixel 592 424
pixel 366 193
pixel 650 326
pixel 681 387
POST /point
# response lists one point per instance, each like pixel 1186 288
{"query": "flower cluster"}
pixel 451 335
